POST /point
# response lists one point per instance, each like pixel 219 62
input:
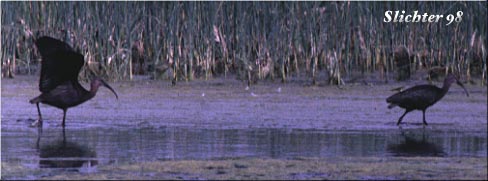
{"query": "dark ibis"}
pixel 422 96
pixel 58 82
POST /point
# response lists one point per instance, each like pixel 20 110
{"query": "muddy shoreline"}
pixel 226 104
pixel 356 168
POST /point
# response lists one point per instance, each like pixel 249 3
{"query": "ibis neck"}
pixel 446 87
pixel 93 91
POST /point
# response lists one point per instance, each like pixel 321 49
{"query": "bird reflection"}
pixel 64 154
pixel 412 146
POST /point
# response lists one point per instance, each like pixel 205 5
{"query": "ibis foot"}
pixel 37 123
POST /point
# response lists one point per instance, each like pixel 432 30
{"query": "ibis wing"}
pixel 401 97
pixel 417 96
pixel 47 46
pixel 59 63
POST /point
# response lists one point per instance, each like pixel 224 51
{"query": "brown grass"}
pixel 187 40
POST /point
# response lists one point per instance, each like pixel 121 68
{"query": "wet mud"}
pixel 155 123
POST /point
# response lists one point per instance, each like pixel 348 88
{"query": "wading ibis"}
pixel 422 96
pixel 58 83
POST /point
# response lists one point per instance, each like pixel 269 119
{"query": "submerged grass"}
pixel 15 171
pixel 299 168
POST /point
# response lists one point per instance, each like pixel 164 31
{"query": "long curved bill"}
pixel 461 84
pixel 108 86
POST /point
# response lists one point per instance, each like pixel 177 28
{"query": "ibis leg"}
pixel 64 117
pixel 64 137
pixel 39 133
pixel 425 122
pixel 40 117
pixel 401 117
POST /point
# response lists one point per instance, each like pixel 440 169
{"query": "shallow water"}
pixel 172 143
pixel 218 119
pixel 82 150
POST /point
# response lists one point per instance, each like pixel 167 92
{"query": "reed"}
pixel 251 40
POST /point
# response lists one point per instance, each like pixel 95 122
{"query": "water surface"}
pixel 107 146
